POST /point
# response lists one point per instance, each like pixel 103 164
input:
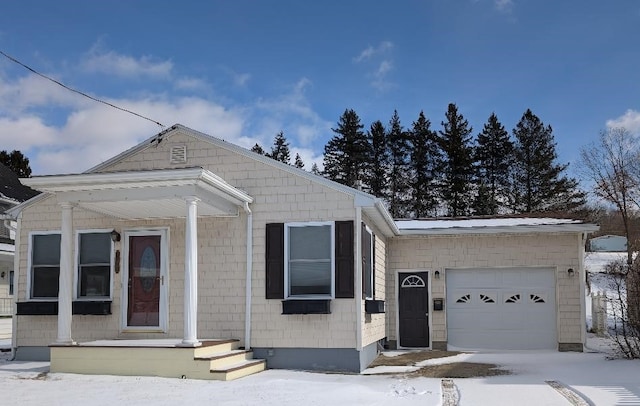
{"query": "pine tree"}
pixel 280 149
pixel 257 149
pixel 17 162
pixel 493 155
pixel 315 170
pixel 455 143
pixel 378 174
pixel 426 163
pixel 346 155
pixel 399 148
pixel 298 162
pixel 539 182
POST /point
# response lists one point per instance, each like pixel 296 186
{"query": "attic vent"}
pixel 178 154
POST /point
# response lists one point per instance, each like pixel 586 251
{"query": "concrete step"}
pixel 239 370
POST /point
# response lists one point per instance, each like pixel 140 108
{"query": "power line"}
pixel 77 91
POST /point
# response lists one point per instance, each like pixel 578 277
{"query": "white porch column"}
pixel 191 274
pixel 65 292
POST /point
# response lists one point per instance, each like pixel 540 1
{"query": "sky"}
pixel 245 70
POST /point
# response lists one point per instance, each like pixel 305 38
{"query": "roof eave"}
pixel 523 229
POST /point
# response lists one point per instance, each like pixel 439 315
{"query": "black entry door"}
pixel 413 309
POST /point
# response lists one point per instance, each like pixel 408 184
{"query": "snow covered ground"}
pixel 603 381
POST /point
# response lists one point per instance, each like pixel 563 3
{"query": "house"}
pixel 12 192
pixel 608 243
pixel 186 242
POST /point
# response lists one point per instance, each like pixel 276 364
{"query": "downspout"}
pixel 358 278
pixel 16 263
pixel 583 281
pixel 247 316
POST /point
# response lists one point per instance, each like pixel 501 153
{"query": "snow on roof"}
pixel 490 225
pixel 7 247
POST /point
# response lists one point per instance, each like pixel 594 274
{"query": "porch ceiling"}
pixel 145 194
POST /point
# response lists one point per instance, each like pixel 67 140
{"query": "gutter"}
pixel 247 315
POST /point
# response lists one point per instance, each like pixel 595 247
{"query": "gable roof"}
pixel 11 190
pixel 371 205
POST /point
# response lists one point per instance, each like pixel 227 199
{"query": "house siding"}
pixel 557 251
pixel 279 196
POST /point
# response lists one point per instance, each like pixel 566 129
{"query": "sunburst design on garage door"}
pixel 464 299
pixel 486 299
pixel 513 298
pixel 537 298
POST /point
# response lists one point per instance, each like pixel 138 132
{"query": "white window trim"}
pixel 287 226
pixel 373 269
pixel 30 270
pixel 163 232
pixel 76 278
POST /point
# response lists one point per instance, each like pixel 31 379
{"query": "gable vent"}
pixel 178 154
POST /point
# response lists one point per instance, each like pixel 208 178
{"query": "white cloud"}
pixel 503 5
pixel 241 79
pixel 629 120
pixel 371 51
pixel 113 63
pixel 194 84
pixel 291 113
pixel 380 75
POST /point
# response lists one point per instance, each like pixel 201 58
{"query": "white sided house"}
pixel 188 256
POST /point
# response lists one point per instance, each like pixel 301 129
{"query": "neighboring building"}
pixel 608 243
pixel 187 238
pixel 12 192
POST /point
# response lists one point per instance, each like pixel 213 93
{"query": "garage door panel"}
pixel 506 308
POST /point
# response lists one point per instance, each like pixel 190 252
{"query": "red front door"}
pixel 144 281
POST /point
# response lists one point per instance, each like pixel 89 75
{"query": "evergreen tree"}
pixel 257 149
pixel 399 173
pixel 426 162
pixel 346 155
pixel 493 156
pixel 539 182
pixel 378 176
pixel 298 162
pixel 455 143
pixel 17 162
pixel 280 149
pixel 315 170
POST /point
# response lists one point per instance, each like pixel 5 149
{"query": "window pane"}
pixel 45 281
pixel 95 248
pixel 310 278
pixel 11 282
pixel 94 280
pixel 311 242
pixel 367 264
pixel 46 249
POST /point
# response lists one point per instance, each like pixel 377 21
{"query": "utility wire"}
pixel 77 91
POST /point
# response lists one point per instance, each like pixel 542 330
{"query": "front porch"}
pixel 214 360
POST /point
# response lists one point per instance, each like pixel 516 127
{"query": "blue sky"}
pixel 245 70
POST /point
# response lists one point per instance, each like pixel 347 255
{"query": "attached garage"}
pixel 494 284
pixel 501 308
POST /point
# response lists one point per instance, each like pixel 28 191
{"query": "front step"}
pixel 232 364
pixel 213 360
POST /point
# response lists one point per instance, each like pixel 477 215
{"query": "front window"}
pixel 45 265
pixel 309 259
pixel 94 265
pixel 11 273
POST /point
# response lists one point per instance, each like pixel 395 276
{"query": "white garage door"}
pixel 507 309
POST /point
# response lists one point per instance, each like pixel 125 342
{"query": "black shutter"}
pixel 344 259
pixel 373 265
pixel 275 261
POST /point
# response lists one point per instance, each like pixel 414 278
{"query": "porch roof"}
pixel 145 194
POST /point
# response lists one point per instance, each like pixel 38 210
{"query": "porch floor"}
pixel 214 359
